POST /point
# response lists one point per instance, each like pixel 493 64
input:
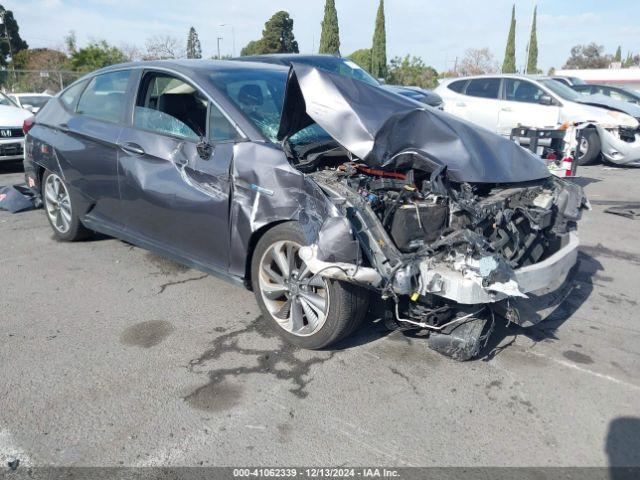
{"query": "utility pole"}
pixel 219 38
pixel 233 37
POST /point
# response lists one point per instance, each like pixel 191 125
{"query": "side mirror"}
pixel 545 100
pixel 205 149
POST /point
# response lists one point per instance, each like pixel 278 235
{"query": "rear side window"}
pixel 70 96
pixel 104 97
pixel 484 88
pixel 457 86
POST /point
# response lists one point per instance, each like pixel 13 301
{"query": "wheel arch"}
pixel 253 242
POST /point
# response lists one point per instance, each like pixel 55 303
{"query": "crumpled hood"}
pixel 388 131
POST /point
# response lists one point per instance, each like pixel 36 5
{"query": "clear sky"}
pixel 437 31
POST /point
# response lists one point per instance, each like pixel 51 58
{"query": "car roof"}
pixel 285 58
pixel 25 94
pixel 190 66
pixel 499 75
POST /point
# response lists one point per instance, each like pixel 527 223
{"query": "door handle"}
pixel 461 104
pixel 63 127
pixel 133 148
pixel 506 109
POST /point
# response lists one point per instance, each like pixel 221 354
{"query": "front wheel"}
pixel 589 147
pixel 60 209
pixel 308 310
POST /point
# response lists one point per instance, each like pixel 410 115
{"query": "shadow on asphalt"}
pixel 581 277
pixel 623 448
pixel 11 167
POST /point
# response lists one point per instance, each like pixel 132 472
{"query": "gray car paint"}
pixel 210 218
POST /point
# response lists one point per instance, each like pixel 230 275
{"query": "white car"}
pixel 501 103
pixel 30 101
pixel 11 135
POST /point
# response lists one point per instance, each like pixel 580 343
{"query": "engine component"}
pixel 414 224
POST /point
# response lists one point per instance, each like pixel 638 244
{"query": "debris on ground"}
pixel 629 210
pixel 19 198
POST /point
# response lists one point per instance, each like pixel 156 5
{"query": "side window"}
pixel 168 105
pixel 104 97
pixel 618 95
pixel 484 88
pixel 457 86
pixel 522 91
pixel 70 96
pixel 220 129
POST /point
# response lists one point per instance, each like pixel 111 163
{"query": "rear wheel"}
pixel 589 147
pixel 309 311
pixel 60 210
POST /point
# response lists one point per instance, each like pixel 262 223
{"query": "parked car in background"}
pixel 346 67
pixel 240 170
pixel 503 102
pixel 569 81
pixel 30 101
pixel 12 120
pixel 617 93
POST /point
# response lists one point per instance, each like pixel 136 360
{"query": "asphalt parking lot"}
pixel 114 356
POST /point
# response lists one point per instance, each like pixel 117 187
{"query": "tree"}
pixel 330 35
pixel 97 54
pixel 254 47
pixel 509 64
pixel 10 41
pixel 194 50
pixel 588 56
pixel 478 61
pixel 532 61
pixel 379 48
pixel 618 55
pixel 163 47
pixel 277 37
pixel 362 57
pixel 47 69
pixel 411 71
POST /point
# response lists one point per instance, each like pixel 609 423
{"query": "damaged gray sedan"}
pixel 328 197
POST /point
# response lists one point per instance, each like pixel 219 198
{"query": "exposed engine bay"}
pixel 445 256
pixel 451 224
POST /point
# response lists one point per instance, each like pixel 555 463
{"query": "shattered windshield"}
pixel 259 94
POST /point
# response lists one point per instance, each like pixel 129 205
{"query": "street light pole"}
pixel 233 37
pixel 219 57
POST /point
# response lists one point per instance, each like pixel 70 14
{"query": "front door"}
pixel 521 107
pixel 175 196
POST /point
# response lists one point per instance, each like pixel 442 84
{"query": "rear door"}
pixel 482 102
pixel 176 195
pixel 521 107
pixel 87 144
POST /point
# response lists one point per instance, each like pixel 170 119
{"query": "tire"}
pixel 589 148
pixel 60 209
pixel 290 301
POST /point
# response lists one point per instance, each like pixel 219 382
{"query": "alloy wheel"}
pixel 296 299
pixel 57 203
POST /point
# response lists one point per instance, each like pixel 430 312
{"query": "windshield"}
pixel 36 101
pixel 562 90
pixel 6 101
pixel 259 94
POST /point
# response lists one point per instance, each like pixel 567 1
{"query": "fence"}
pixel 51 81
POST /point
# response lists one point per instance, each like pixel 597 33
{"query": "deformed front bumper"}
pixel 617 150
pixel 465 288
